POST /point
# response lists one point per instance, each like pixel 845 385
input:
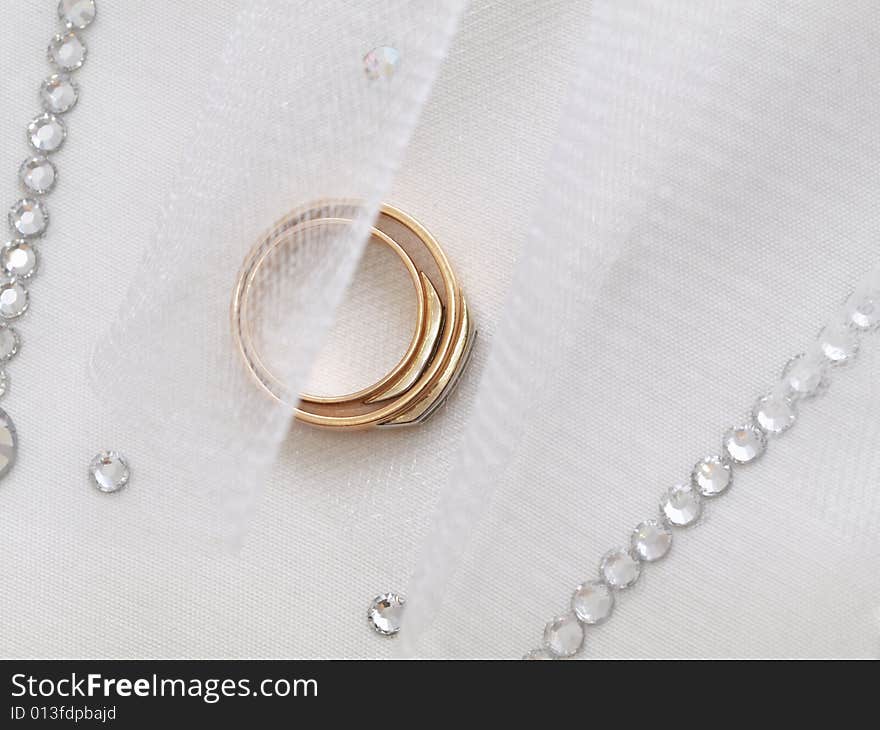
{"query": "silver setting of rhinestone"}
pixel 8 443
pixel 9 342
pixel 592 602
pixel 18 259
pixel 13 300
pixel 67 51
pixel 38 175
pixel 804 376
pixel 46 133
pixel 538 655
pixel 385 613
pixel 681 505
pixel 774 414
pixel 109 471
pixel 651 540
pixel 744 444
pixel 712 475
pixel 619 568
pixel 77 14
pixel 564 636
pixel 59 94
pixel 4 382
pixel 29 218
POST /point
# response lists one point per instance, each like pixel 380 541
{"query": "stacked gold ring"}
pixel 441 343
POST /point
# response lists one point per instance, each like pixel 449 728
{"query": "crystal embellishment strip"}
pixel 772 415
pixel 28 217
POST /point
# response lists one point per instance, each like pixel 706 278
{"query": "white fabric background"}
pixel 745 218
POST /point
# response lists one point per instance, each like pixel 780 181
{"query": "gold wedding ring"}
pixel 437 354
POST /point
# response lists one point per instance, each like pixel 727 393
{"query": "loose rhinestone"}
pixel 77 13
pixel 29 218
pixel 775 413
pixel 38 175
pixel 59 94
pixel 19 259
pixel 537 655
pixel 564 636
pixel 13 300
pixel 863 309
pixel 67 51
pixel 681 505
pixel 8 443
pixel 592 602
pixel 619 568
pixel 711 476
pixel 47 133
pixel 804 376
pixel 4 383
pixel 381 62
pixel 651 540
pixel 745 443
pixel 386 612
pixel 9 342
pixel 109 471
pixel 839 343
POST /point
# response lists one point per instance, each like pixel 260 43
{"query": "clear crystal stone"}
pixel 775 413
pixel 711 476
pixel 4 383
pixel 13 300
pixel 744 443
pixel 619 568
pixel 8 443
pixel 592 602
pixel 9 342
pixel 381 62
pixel 29 218
pixel 564 636
pixel 651 540
pixel 386 613
pixel 59 94
pixel 67 51
pixel 681 505
pixel 537 654
pixel 839 343
pixel 38 175
pixel 109 471
pixel 47 133
pixel 18 259
pixel 77 13
pixel 804 376
pixel 863 309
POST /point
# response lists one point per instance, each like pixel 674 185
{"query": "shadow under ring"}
pixel 438 352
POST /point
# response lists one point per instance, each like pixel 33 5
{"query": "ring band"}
pixel 437 354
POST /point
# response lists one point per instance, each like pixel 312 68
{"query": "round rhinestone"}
pixel 381 62
pixel 77 13
pixel 38 175
pixel 863 309
pixel 9 342
pixel 13 300
pixel 386 612
pixel 46 133
pixel 67 51
pixel 745 443
pixel 8 443
pixel 775 414
pixel 4 383
pixel 803 377
pixel 681 505
pixel 839 343
pixel 592 602
pixel 651 540
pixel 619 568
pixel 537 655
pixel 59 94
pixel 109 471
pixel 29 218
pixel 18 259
pixel 711 476
pixel 564 636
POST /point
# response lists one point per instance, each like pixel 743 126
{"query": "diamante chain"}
pixel 804 377
pixel 29 217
